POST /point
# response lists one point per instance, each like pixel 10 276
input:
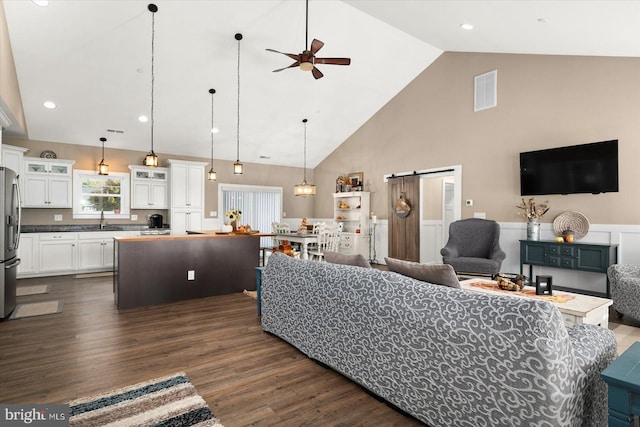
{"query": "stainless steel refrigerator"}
pixel 9 239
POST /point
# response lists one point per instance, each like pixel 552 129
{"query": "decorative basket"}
pixel 574 221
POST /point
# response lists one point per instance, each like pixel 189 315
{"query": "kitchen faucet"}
pixel 102 223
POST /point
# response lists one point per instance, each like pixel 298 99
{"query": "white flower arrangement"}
pixel 531 210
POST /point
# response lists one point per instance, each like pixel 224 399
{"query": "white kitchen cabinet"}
pixel 58 252
pixel 13 158
pixel 187 195
pixel 28 253
pixel 149 187
pixel 47 183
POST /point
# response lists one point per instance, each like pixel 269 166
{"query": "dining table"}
pixel 303 238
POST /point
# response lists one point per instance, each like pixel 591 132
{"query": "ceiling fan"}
pixel 307 59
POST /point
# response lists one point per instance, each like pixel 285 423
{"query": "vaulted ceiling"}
pixel 93 59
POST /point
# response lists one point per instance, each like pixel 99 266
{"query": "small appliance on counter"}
pixel 155 221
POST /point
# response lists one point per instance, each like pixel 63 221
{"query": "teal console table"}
pixel 570 256
pixel 623 380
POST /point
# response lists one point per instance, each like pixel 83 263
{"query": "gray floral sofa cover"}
pixel 448 357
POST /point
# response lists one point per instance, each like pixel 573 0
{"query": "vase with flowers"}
pixel 234 215
pixel 533 212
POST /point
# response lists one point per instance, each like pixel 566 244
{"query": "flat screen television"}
pixel 584 168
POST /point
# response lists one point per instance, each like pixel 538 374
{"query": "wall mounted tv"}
pixel 584 168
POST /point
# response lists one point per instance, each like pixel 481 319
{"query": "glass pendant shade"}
pixel 237 168
pixel 103 168
pixel 212 175
pixel 151 160
pixel 304 189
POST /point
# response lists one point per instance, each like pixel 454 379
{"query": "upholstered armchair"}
pixel 625 289
pixel 474 246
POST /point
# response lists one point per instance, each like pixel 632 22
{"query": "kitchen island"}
pixel 166 268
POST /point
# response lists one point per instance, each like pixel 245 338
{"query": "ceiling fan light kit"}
pixel 151 160
pixel 307 59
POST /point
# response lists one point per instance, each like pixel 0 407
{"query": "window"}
pixel 260 205
pixel 94 194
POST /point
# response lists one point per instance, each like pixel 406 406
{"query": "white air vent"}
pixel 486 91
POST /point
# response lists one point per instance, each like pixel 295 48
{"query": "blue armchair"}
pixel 474 246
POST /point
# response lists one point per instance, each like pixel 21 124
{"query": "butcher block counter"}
pixel 166 268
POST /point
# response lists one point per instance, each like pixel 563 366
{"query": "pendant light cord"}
pixel 238 37
pixel 304 172
pixel 153 76
pixel 212 91
pixel 306 32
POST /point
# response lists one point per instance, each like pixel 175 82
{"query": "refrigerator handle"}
pixel 16 184
pixel 13 264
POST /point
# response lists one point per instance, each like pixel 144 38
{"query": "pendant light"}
pixel 212 173
pixel 237 166
pixel 151 160
pixel 304 189
pixel 103 168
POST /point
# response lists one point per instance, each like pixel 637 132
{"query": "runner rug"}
pixel 22 291
pixel 37 309
pixel 166 401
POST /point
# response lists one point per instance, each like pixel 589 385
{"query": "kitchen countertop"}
pixel 54 228
pixel 193 235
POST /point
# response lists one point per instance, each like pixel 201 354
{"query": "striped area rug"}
pixel 166 401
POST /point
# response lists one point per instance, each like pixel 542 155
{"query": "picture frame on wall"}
pixel 355 180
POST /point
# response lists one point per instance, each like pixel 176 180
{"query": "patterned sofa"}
pixel 448 357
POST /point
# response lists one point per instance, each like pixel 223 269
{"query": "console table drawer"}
pixel 567 263
pixel 567 251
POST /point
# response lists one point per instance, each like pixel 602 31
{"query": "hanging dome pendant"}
pixel 304 189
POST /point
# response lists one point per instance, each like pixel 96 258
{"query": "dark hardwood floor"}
pixel 246 376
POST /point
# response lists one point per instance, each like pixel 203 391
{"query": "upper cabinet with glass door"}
pixel 149 187
pixel 47 183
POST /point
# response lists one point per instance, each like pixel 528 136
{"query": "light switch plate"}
pixel 481 215
pixel 134 217
pixel 57 217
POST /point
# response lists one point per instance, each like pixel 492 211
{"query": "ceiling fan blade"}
pixel 317 74
pixel 295 64
pixel 316 45
pixel 290 55
pixel 333 61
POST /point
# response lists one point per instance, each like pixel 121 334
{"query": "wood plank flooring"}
pixel 246 376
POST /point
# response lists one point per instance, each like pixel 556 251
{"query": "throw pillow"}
pixel 340 258
pixel 439 274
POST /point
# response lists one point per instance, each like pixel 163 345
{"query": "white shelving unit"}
pixel 352 210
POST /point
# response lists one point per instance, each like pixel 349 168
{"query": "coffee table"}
pixel 575 308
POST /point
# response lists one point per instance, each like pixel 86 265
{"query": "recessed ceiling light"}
pixel 466 27
pixel 49 104
pixel 143 119
pixel 41 3
pixel 542 20
pixel 215 130
pixel 265 157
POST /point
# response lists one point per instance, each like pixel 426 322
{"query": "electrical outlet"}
pixel 481 215
pixel 191 275
pixel 134 217
pixel 57 217
pixel 213 214
pixel 284 214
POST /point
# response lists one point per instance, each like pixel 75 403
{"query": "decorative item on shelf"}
pixel 543 285
pixel 212 173
pixel 234 215
pixel 341 183
pixel 355 181
pixel 237 166
pixel 571 221
pixel 103 168
pixel 48 154
pixel 304 189
pixel 568 236
pixel 533 212
pixel 151 160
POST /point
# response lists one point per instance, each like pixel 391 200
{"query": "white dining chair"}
pixel 328 240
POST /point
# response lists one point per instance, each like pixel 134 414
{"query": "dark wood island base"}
pixel 160 269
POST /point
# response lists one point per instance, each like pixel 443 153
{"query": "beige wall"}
pixel 119 160
pixel 10 99
pixel 543 101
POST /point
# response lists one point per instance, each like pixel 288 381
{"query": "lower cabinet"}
pixel 50 254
